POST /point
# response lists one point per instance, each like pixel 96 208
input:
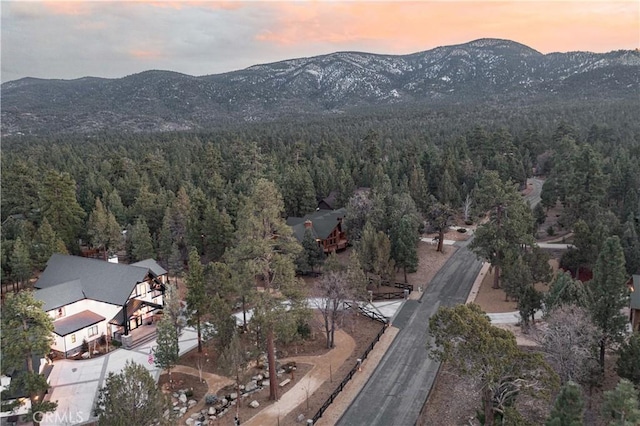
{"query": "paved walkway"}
pixel 75 384
pixel 307 385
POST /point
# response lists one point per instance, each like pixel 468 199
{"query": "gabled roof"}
pixel 323 222
pixel 329 201
pixel 99 280
pixel 635 295
pixel 152 265
pixel 60 295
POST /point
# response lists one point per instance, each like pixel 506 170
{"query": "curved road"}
pixel 400 385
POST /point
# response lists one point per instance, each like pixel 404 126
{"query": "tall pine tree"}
pixel 609 294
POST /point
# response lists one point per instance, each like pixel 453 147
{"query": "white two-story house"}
pixel 89 298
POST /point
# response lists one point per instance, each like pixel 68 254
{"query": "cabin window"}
pixel 93 331
pixel 73 338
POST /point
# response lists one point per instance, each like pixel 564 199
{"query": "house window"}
pixel 93 331
pixel 142 289
pixel 73 338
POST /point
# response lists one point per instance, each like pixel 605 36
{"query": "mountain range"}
pixel 481 71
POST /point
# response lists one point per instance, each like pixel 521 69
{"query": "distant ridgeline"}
pixel 496 73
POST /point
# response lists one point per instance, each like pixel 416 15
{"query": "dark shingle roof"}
pixel 323 222
pixel 60 295
pixel 152 265
pixel 73 323
pixel 329 201
pixel 103 281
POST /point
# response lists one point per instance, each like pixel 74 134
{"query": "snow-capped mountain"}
pixel 486 70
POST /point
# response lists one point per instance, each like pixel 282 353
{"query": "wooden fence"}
pixel 351 373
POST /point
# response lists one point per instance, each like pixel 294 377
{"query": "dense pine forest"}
pixel 173 191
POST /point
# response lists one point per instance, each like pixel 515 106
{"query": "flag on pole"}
pixel 150 359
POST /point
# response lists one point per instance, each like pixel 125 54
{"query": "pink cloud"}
pixel 403 27
pixel 145 54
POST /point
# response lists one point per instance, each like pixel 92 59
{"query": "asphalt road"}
pixel 534 196
pixel 398 388
pixel 400 385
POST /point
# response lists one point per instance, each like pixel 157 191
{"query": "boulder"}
pixel 212 411
pixel 251 386
pixel 254 404
pixel 183 410
pixel 233 396
pixel 182 398
pixel 195 416
pixel 189 421
pixel 300 418
pixel 192 402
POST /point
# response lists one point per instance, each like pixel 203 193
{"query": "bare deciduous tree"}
pixel 466 207
pixel 569 339
pixel 334 291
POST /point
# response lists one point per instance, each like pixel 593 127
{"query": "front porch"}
pixel 139 336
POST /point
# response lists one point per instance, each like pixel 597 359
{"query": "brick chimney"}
pixel 308 224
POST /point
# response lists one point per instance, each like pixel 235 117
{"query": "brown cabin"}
pixel 327 227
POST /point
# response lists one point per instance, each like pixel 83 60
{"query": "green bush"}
pixel 550 231
pixel 304 330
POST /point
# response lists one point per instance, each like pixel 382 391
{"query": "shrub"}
pixel 85 346
pixel 304 330
pixel 116 343
pixel 551 231
pixel 189 393
pixel 210 399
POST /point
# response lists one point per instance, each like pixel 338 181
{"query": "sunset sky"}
pixel 49 39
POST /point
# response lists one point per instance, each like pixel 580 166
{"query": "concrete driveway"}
pixel 75 384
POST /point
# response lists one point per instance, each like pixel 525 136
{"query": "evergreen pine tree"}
pixel 166 350
pixel 141 243
pixel 568 409
pixel 628 362
pixel 196 296
pixel 622 405
pixel 609 294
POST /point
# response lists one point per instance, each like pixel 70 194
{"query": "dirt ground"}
pixel 493 300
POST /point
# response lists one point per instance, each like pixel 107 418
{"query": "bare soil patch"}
pixel 493 300
pixel 183 381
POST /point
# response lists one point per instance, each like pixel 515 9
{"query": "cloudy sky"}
pixel 51 39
